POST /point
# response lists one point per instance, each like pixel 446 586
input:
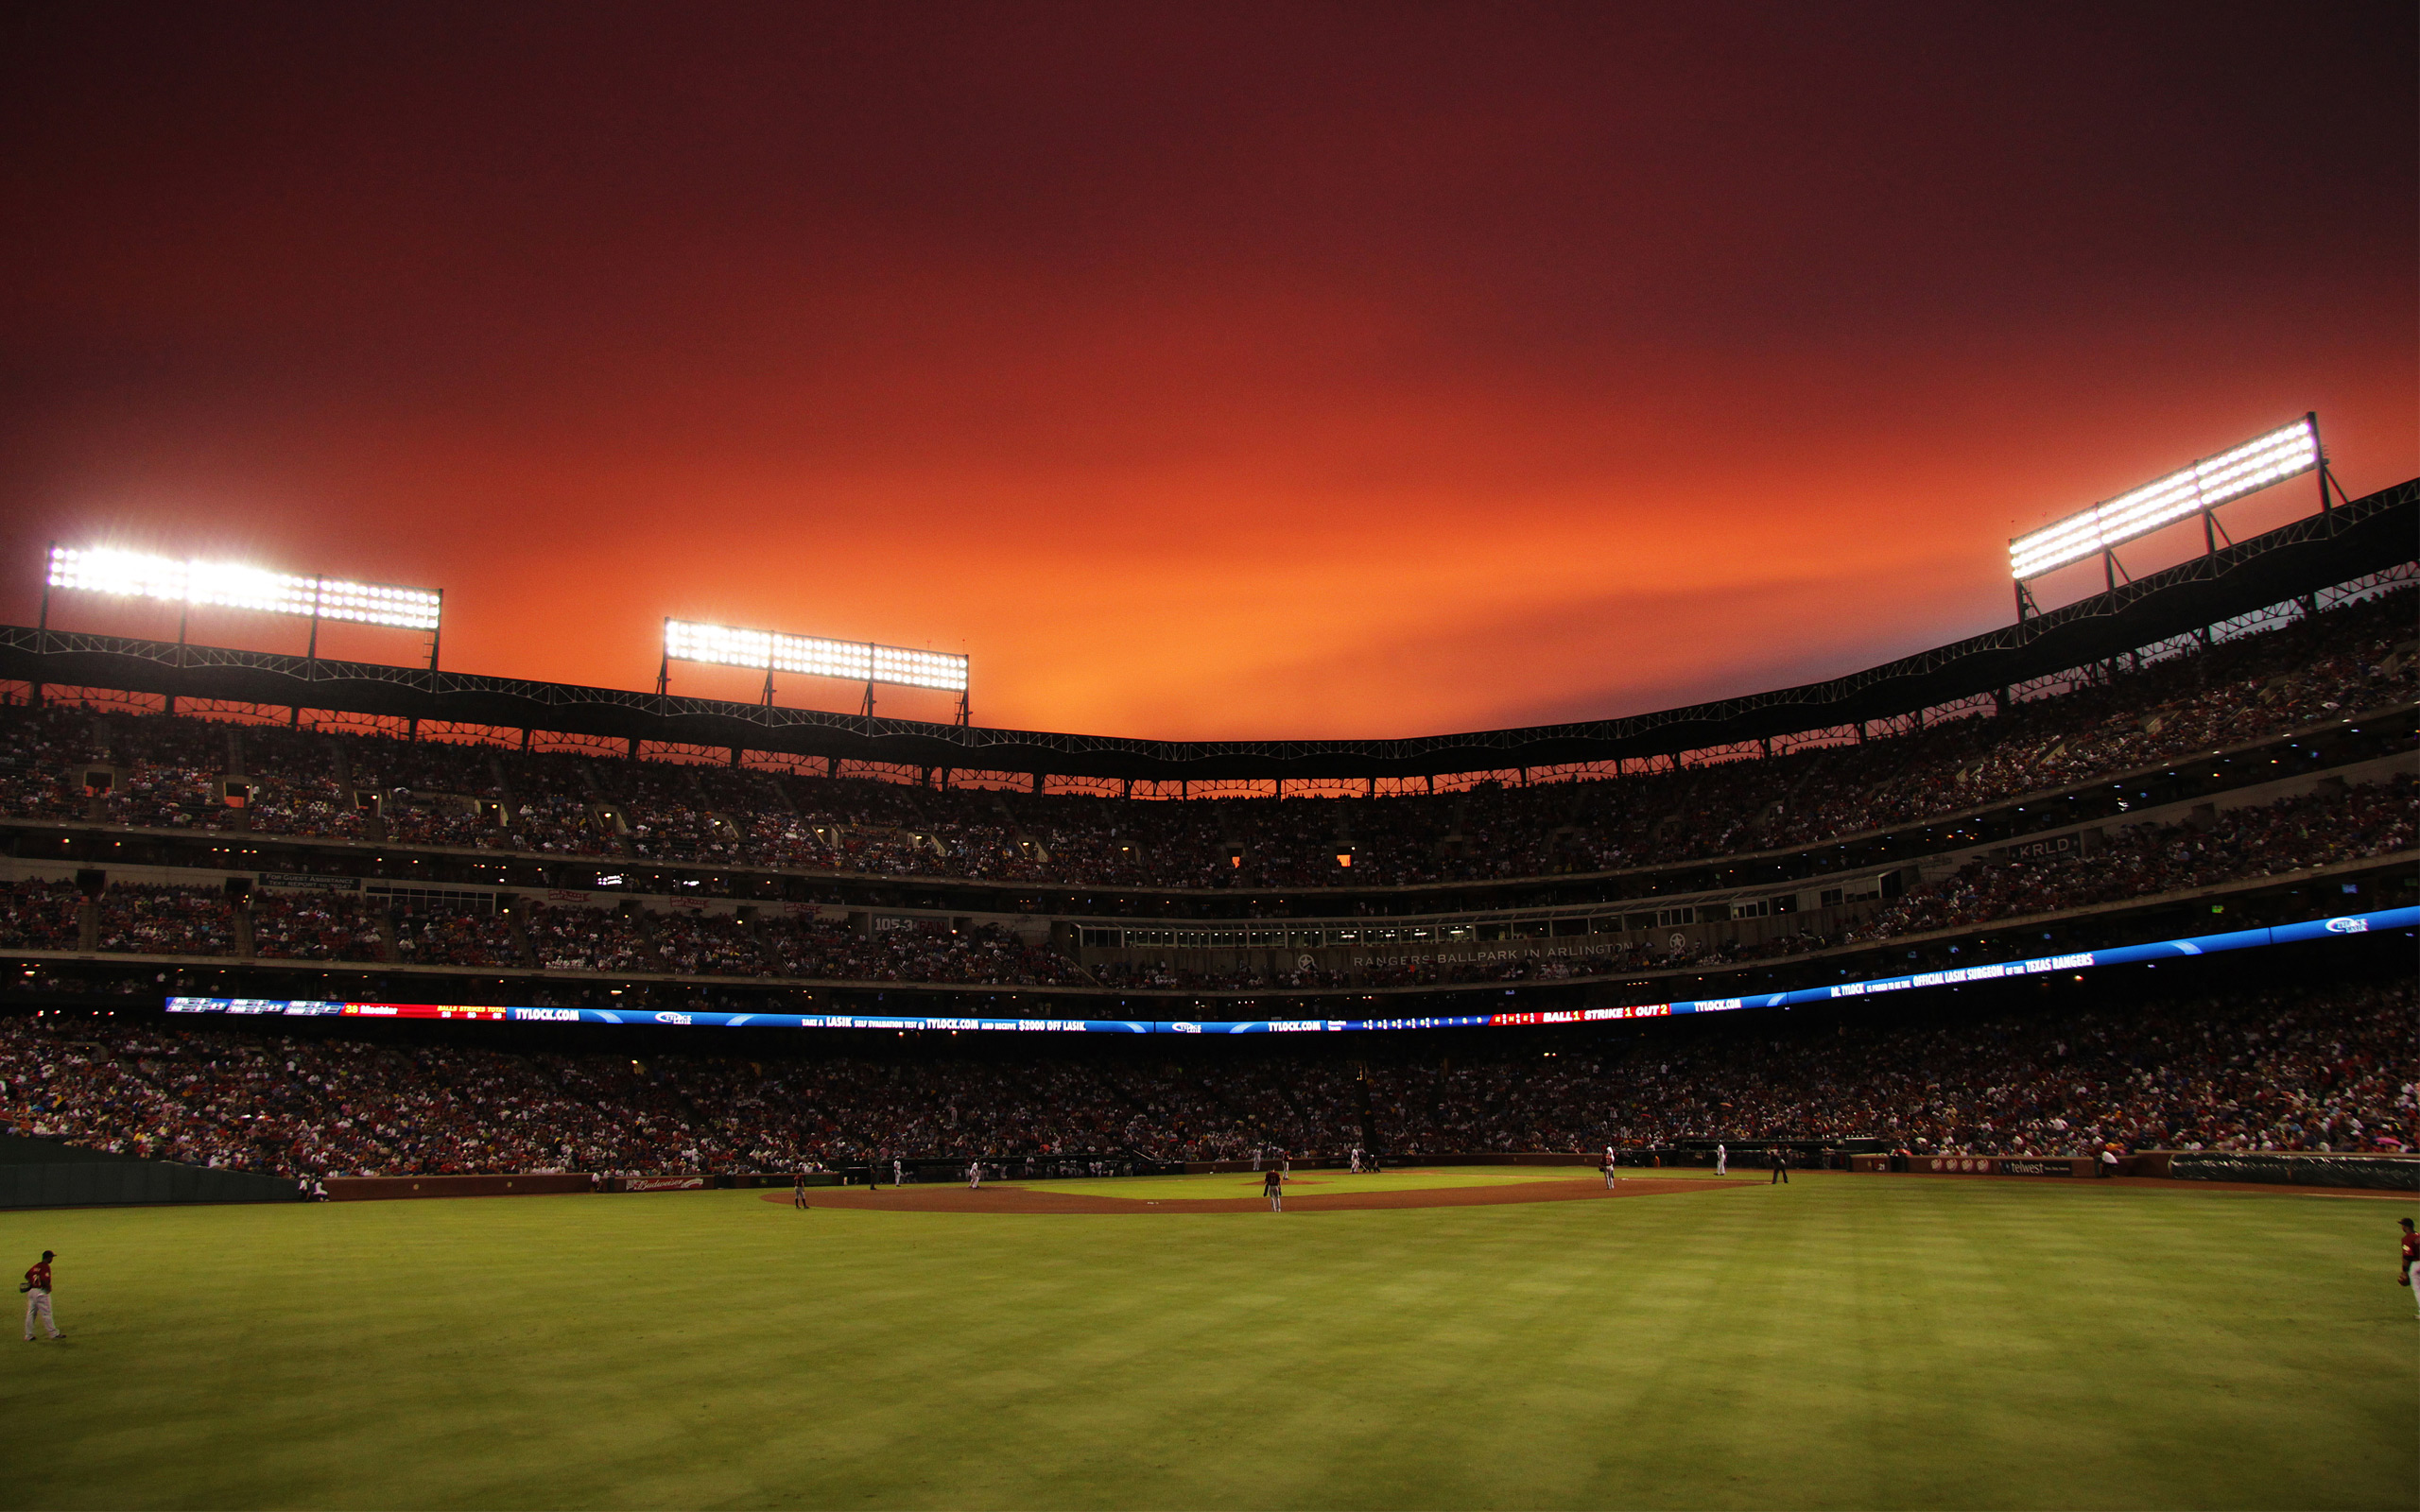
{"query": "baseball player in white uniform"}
pixel 974 1176
pixel 1721 1160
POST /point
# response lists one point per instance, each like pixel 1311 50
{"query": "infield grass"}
pixel 1842 1341
pixel 1226 1186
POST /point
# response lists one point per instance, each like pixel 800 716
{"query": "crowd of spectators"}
pixel 456 938
pixel 315 926
pixel 585 940
pixel 2294 834
pixel 2334 823
pixel 2324 1068
pixel 40 915
pixel 172 773
pixel 920 950
pixel 152 920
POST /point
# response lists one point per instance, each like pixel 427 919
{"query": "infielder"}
pixel 1721 1160
pixel 898 1172
pixel 975 1176
pixel 798 1189
pixel 1269 1186
pixel 1608 1168
pixel 37 1290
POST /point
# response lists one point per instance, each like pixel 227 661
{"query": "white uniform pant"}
pixel 974 1178
pixel 2410 1273
pixel 38 1306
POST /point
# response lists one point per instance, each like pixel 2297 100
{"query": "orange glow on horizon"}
pixel 1197 374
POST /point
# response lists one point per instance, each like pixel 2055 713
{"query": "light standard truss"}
pixel 2196 489
pixel 865 662
pixel 233 585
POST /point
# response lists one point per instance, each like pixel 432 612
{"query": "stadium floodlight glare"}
pixel 811 655
pixel 2206 485
pixel 230 585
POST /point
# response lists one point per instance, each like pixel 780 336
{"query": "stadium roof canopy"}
pixel 2359 539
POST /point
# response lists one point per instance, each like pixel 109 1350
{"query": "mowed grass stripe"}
pixel 1839 1342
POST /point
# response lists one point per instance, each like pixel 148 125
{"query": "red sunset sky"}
pixel 1234 370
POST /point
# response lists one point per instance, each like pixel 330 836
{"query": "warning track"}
pixel 1014 1200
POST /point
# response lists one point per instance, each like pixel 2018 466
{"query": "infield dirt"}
pixel 1006 1198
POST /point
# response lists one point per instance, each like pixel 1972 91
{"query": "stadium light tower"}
pixel 863 661
pixel 233 585
pixel 2199 488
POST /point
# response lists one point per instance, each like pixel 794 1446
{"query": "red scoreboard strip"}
pixel 422 1010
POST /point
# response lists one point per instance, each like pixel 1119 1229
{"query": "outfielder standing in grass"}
pixel 2409 1276
pixel 1271 1186
pixel 37 1290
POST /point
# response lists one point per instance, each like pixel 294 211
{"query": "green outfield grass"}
pixel 1842 1341
pixel 1230 1184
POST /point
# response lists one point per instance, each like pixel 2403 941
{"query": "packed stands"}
pixel 173 774
pixel 984 954
pixel 2326 1068
pixel 2335 823
pixel 40 915
pixel 586 939
pixel 456 938
pixel 2288 835
pixel 315 926
pixel 2331 1069
pixel 151 920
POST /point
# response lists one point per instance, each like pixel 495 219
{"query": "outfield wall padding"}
pixel 380 1188
pixel 2059 1165
pixel 36 1173
pixel 384 1188
pixel 23 1149
pixel 2377 1173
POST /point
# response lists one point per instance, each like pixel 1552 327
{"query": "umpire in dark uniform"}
pixel 1781 1167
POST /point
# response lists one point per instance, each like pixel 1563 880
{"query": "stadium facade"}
pixel 2212 762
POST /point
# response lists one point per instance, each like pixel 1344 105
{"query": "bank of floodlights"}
pixel 232 585
pixel 2197 490
pixel 770 651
